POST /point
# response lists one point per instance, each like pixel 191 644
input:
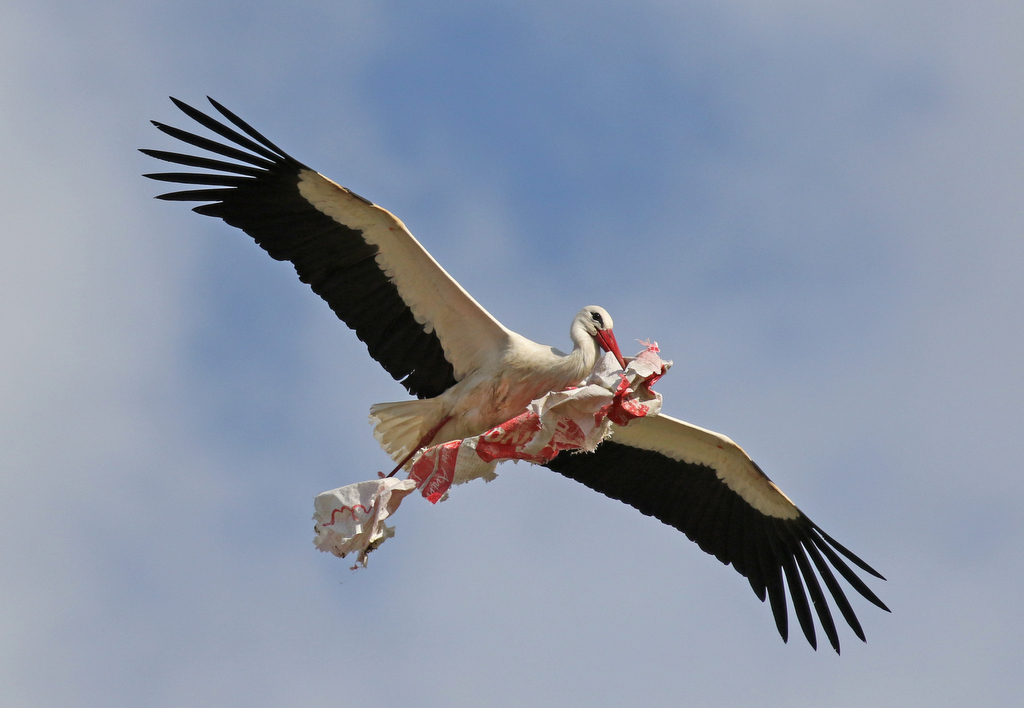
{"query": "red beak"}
pixel 606 338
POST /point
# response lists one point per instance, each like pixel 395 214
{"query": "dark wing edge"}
pixel 772 553
pixel 259 194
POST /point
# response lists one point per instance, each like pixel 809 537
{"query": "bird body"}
pixel 470 373
pixel 500 388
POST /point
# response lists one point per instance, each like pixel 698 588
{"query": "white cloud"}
pixel 827 199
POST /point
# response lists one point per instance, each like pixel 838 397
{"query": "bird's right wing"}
pixel 415 319
pixel 706 486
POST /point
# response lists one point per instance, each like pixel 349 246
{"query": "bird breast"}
pixel 493 395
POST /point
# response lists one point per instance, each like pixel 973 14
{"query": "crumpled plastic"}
pixel 351 518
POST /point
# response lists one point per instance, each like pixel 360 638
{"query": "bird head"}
pixel 598 324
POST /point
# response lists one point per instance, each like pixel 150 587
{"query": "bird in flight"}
pixel 469 373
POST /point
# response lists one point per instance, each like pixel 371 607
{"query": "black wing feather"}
pixel 261 197
pixel 205 163
pixel 771 552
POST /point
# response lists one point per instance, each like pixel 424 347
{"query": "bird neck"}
pixel 585 352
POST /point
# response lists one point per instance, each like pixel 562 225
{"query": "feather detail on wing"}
pixel 415 319
pixel 706 486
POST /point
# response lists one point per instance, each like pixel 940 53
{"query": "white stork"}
pixel 470 373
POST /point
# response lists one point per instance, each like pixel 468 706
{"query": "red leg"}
pixel 421 444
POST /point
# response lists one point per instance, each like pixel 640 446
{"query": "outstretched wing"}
pixel 415 319
pixel 706 486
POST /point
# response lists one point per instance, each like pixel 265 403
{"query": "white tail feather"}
pixel 400 426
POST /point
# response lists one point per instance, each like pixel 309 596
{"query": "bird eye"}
pixel 597 318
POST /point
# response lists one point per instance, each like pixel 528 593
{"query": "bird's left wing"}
pixel 415 319
pixel 706 486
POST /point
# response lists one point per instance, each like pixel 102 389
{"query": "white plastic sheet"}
pixel 350 519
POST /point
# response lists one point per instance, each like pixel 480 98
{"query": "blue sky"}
pixel 815 209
